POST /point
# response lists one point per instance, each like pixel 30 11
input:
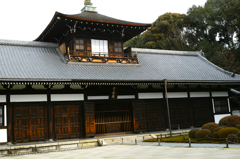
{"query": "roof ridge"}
pixel 165 52
pixel 27 43
pixel 217 67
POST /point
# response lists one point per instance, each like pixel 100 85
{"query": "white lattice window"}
pixel 99 47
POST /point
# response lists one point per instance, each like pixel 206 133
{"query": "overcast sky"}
pixel 26 19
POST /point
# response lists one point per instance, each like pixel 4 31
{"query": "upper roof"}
pixel 40 61
pixel 61 24
pixel 96 17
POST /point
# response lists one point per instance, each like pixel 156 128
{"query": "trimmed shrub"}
pixel 210 126
pixel 224 132
pixel 192 133
pixel 218 128
pixel 237 126
pixel 215 135
pixel 238 134
pixel 223 121
pixel 232 137
pixel 203 133
pixel 230 121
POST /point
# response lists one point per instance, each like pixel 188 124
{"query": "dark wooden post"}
pixel 9 118
pixel 169 119
pixel 212 103
pixel 226 142
pixel 190 105
pixel 50 115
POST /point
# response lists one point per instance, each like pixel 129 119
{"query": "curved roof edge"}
pixel 167 52
pixel 219 68
pixel 54 17
pixel 28 43
pixel 235 91
pixel 96 17
pixel 183 53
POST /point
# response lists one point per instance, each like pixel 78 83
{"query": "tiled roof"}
pixel 99 17
pixel 38 61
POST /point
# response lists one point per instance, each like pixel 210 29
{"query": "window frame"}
pixel 2 116
pixel 225 107
pixel 119 48
pixel 80 44
pixel 105 47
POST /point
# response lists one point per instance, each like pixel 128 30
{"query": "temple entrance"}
pixel 68 120
pixel 113 117
pixel 29 122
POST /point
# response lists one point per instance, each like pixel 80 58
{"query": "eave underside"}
pixel 67 82
pixel 64 25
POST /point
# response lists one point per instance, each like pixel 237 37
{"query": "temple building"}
pixel 76 80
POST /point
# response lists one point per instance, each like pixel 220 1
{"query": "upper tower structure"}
pixel 88 6
pixel 92 37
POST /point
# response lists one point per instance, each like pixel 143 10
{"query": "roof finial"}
pixel 88 6
pixel 87 2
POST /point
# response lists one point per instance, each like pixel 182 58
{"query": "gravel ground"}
pixel 138 152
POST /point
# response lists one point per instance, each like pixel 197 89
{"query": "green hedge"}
pixel 192 133
pixel 238 134
pixel 224 132
pixel 203 133
pixel 210 126
pixel 215 135
pixel 217 129
pixel 230 121
pixel 237 126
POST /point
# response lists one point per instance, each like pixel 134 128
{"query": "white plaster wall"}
pixel 236 112
pixel 220 116
pixel 28 98
pixel 177 95
pixel 3 135
pixel 199 94
pixel 153 95
pixel 3 98
pixel 219 94
pixel 97 97
pixel 126 97
pixel 67 97
pixel 5 115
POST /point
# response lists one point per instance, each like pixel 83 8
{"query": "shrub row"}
pixel 224 132
pixel 210 126
pixel 230 121
pixel 229 126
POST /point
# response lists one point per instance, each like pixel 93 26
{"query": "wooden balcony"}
pixel 88 56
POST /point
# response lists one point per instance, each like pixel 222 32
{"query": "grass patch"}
pixel 180 139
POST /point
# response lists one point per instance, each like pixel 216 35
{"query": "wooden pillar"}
pixel 166 97
pixel 230 103
pixel 9 118
pixel 212 104
pixel 50 115
pixel 190 106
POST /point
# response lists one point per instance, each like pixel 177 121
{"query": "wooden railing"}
pixel 89 54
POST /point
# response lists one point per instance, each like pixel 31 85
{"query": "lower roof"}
pixel 39 61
